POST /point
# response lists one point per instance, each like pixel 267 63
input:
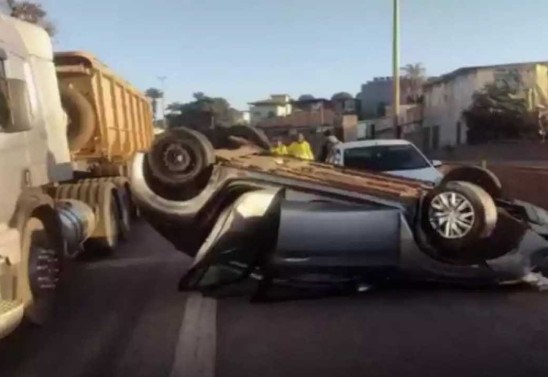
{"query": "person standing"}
pixel 330 141
pixel 301 148
pixel 280 149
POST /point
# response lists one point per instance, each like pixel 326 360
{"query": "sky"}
pixel 245 50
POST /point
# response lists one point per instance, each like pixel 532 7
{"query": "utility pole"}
pixel 162 80
pixel 396 69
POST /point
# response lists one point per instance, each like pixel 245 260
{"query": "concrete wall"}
pixel 530 153
pixel 374 92
pixel 445 102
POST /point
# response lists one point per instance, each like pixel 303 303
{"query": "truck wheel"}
pixel 124 210
pixel 81 116
pixel 39 271
pixel 178 157
pixel 102 196
pixel 256 136
pixel 457 214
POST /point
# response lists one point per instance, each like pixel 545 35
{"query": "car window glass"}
pixel 384 158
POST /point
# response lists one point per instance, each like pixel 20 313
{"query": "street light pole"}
pixel 163 86
pixel 396 69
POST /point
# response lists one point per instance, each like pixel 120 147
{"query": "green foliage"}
pixel 414 77
pixel 31 12
pixel 341 96
pixel 154 95
pixel 203 112
pixel 306 97
pixel 498 112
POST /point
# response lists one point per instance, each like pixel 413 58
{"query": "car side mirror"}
pixel 437 163
pixel 15 110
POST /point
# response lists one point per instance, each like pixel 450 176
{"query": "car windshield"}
pixel 384 158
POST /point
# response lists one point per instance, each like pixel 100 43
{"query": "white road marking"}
pixel 196 348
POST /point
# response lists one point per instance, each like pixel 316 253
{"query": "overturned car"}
pixel 229 203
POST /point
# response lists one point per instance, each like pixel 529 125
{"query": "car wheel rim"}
pixel 451 215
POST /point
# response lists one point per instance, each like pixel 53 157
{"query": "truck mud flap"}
pixel 245 232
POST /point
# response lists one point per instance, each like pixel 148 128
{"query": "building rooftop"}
pixel 464 70
pixel 275 99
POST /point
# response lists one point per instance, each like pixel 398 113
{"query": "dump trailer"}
pixel 108 122
pixel 68 127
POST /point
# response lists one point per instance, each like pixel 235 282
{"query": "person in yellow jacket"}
pixel 280 149
pixel 301 148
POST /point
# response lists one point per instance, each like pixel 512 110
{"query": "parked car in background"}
pixel 397 157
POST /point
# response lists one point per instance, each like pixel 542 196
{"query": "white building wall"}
pixel 258 113
pixel 444 103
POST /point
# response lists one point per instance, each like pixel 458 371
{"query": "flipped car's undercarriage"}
pixel 236 205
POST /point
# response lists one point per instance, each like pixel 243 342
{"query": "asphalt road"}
pixel 122 316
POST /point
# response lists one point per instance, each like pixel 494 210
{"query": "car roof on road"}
pixel 372 143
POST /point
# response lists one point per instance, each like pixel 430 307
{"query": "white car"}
pixel 397 157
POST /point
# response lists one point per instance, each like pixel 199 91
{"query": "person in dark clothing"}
pixel 330 141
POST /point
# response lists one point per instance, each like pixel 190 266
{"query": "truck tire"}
pixel 103 197
pixel 39 270
pixel 457 214
pixel 254 135
pixel 81 116
pixel 126 207
pixel 179 156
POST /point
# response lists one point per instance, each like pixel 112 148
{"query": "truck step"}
pixel 11 314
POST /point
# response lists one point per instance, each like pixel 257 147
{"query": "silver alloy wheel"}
pixel 451 215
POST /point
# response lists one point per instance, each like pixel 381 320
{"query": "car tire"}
pixel 254 135
pixel 179 156
pixel 481 177
pixel 456 215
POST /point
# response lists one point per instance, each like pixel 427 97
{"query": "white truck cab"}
pixel 34 154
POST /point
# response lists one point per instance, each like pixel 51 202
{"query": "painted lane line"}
pixel 196 348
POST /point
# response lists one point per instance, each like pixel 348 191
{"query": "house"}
pixel 278 105
pixel 375 95
pixel 409 119
pixel 446 97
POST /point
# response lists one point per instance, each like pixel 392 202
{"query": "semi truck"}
pixel 68 128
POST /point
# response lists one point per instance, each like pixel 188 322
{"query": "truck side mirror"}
pixel 15 112
pixel 436 163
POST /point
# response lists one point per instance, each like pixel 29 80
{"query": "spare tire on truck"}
pixel 81 117
pixel 455 215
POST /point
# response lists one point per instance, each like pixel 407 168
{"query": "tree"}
pixel 306 97
pixel 414 77
pixel 498 111
pixel 341 96
pixel 154 94
pixel 31 12
pixel 203 112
